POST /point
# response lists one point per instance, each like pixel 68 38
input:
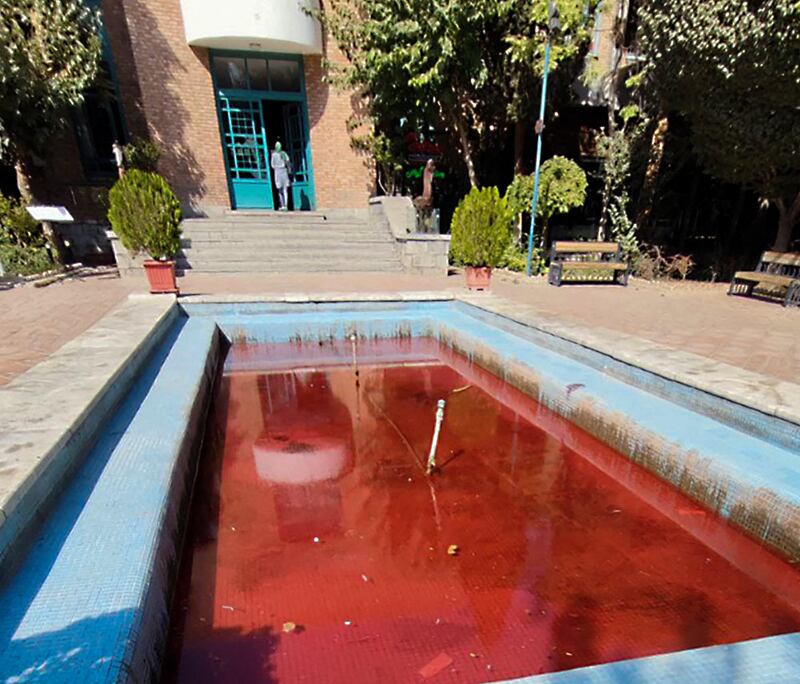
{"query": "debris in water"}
pixel 289 627
pixel 453 550
pixel 435 666
pixel 573 386
pixel 347 623
pixel 233 528
pixel 316 540
pixel 460 389
pixel 231 608
pixel 365 578
pixel 473 655
pixel 567 653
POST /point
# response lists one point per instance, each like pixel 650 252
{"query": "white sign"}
pixel 50 213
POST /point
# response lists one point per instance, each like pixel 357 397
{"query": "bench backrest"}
pixel 781 263
pixel 564 247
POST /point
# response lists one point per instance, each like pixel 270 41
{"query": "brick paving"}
pixel 695 317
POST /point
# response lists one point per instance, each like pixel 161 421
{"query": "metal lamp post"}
pixel 553 26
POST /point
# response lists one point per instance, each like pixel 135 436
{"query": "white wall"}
pixel 266 25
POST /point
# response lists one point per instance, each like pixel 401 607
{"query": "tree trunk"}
pixel 23 169
pixel 601 226
pixel 653 169
pixel 787 218
pixel 520 135
pixel 25 186
pixel 466 147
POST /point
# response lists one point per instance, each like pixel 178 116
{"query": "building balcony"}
pixel 263 25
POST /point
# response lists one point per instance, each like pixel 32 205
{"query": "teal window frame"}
pixel 299 97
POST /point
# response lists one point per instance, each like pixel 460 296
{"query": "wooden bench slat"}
pixel 782 258
pixel 761 277
pixel 578 247
pixel 594 265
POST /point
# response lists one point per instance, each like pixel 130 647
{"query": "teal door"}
pixel 261 100
pixel 246 151
pixel 297 148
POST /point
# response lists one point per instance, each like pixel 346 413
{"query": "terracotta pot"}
pixel 478 277
pixel 161 276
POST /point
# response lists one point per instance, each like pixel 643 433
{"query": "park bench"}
pixel 587 262
pixel 777 275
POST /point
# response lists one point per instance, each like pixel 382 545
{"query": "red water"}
pixel 312 508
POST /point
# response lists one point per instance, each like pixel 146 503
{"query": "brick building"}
pixel 217 85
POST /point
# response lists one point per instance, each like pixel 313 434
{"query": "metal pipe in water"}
pixel 355 358
pixel 435 441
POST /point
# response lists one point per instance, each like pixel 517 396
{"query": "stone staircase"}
pixel 296 242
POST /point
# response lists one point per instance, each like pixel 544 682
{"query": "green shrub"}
pixel 519 194
pixel 516 259
pixel 17 226
pixel 145 214
pixel 143 154
pixel 24 260
pixel 481 229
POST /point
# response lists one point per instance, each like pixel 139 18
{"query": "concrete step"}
pixel 360 247
pixel 345 266
pixel 285 236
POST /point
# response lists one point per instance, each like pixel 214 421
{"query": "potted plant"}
pixel 480 235
pixel 146 216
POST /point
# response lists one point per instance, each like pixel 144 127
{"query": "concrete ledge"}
pixel 774 660
pixel 49 414
pixel 759 392
pixel 90 601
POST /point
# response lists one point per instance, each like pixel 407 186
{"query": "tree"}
pixel 562 186
pixel 470 64
pixel 49 55
pixel 731 68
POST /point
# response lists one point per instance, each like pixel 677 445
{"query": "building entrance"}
pixel 260 101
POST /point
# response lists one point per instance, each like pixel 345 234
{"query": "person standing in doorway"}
pixel 281 172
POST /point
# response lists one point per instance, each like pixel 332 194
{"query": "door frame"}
pixel 260 95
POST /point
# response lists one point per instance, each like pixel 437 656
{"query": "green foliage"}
pixel 49 52
pixel 515 259
pixel 22 242
pixel 562 186
pixel 20 260
pixel 145 214
pixel 143 154
pixel 731 67
pixel 481 229
pixel 17 226
pixel 623 230
pixel 519 195
pixel 474 64
pixel 386 153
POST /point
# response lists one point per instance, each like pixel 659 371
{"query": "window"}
pixel 257 73
pixel 284 75
pixel 98 124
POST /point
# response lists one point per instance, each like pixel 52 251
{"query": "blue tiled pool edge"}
pixel 56 469
pixel 92 601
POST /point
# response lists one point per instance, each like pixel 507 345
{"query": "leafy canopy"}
pixel 145 214
pixel 472 64
pixel 562 186
pixel 481 229
pixel 732 68
pixel 49 52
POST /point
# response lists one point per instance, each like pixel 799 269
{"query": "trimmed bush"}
pixel 145 214
pixel 481 229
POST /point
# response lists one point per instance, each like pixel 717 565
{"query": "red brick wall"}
pixel 177 99
pixel 341 176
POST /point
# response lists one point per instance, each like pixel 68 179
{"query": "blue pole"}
pixel 538 156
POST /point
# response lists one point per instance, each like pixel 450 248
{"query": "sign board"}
pixel 50 213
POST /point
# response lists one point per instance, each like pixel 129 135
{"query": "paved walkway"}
pixel 759 336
